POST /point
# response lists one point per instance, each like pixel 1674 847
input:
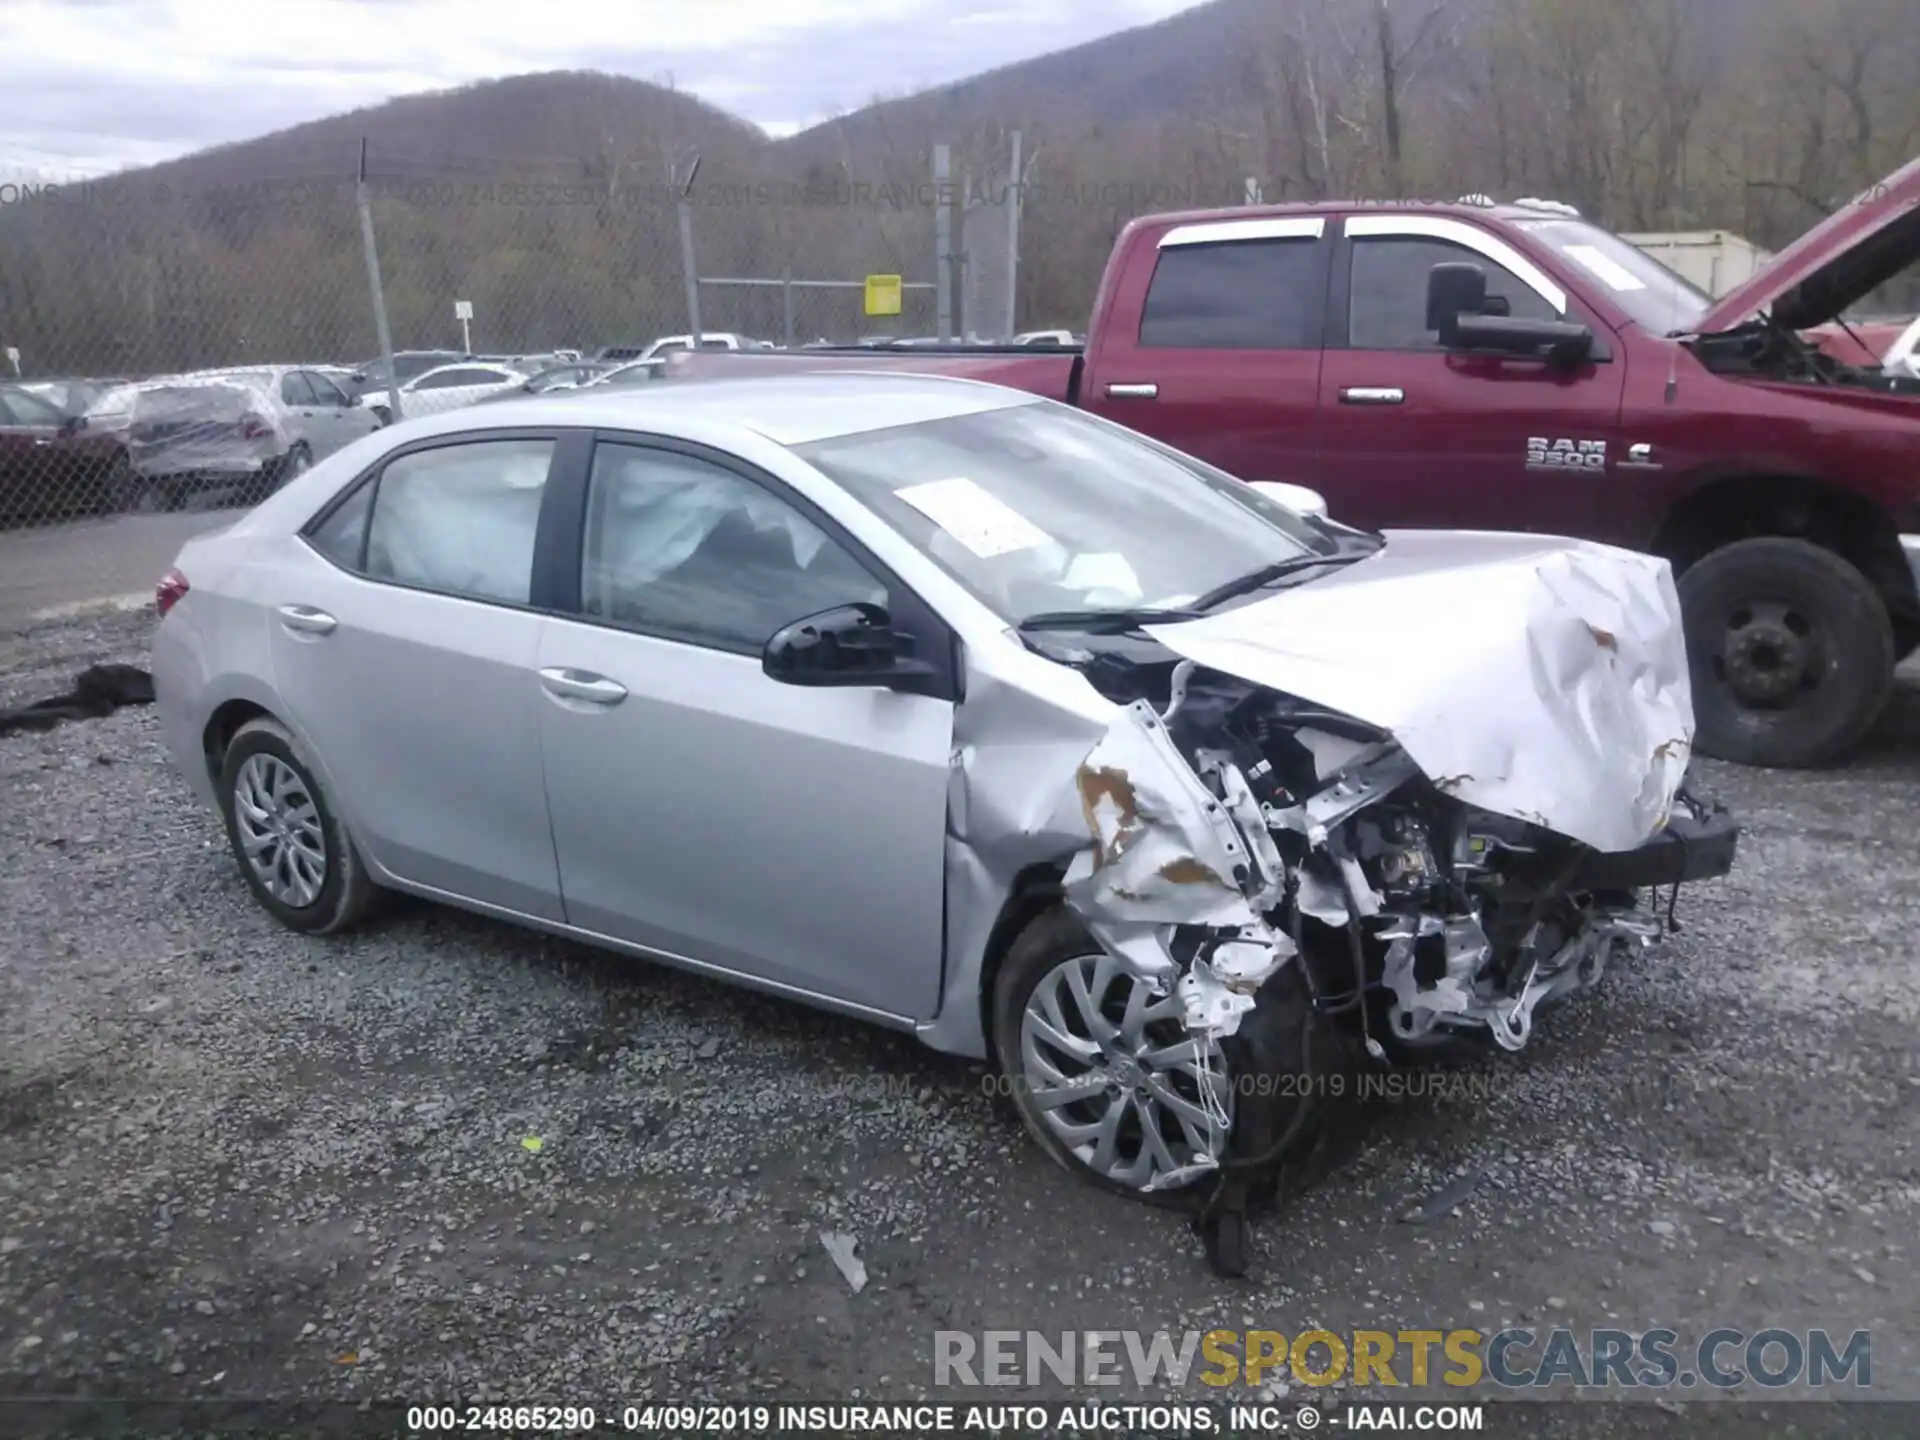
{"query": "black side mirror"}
pixel 1454 289
pixel 73 424
pixel 1557 342
pixel 849 645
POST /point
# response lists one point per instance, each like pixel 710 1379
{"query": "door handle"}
pixel 583 685
pixel 307 620
pixel 42 440
pixel 1372 395
pixel 1133 392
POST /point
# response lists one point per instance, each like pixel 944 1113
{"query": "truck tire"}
pixel 1790 650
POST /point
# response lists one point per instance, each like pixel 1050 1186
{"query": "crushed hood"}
pixel 1852 252
pixel 1536 677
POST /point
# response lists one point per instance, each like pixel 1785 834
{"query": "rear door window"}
pixel 1267 294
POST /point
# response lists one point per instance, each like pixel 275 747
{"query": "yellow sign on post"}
pixel 883 294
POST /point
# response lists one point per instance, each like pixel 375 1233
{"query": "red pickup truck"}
pixel 1515 367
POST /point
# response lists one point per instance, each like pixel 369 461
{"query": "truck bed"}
pixel 1051 372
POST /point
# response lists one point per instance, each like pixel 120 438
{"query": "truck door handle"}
pixel 305 620
pixel 1133 392
pixel 1372 395
pixel 594 689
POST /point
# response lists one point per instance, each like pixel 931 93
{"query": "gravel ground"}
pixel 236 1161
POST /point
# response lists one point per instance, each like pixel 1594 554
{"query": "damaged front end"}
pixel 1251 851
pixel 1323 834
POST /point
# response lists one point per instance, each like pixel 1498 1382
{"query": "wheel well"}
pixel 222 726
pixel 1749 507
pixel 1035 891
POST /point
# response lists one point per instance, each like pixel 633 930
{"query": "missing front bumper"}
pixel 1698 843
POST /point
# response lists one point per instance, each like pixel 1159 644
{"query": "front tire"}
pixel 1791 653
pixel 1087 1056
pixel 292 850
pixel 1111 1085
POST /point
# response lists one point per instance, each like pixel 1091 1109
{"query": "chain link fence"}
pixel 174 348
pixel 169 348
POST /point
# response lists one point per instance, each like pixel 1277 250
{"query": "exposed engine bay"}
pixel 1763 350
pixel 1271 861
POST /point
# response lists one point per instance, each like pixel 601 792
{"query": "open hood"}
pixel 1536 677
pixel 1862 246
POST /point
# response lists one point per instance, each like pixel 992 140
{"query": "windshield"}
pixel 117 401
pixel 1658 300
pixel 628 374
pixel 214 401
pixel 1038 509
pixel 252 379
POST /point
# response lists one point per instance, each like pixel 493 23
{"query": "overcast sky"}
pixel 92 86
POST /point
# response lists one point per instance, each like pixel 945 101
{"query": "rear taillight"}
pixel 167 593
pixel 254 427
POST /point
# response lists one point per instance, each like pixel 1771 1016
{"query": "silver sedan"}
pixel 958 711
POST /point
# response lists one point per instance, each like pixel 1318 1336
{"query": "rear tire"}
pixel 150 497
pixel 116 486
pixel 274 804
pixel 1791 653
pixel 290 467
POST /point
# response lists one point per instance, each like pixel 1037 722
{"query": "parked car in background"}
pixel 111 412
pixel 340 375
pixel 1048 337
pixel 1513 367
pixel 465 382
pixel 1903 355
pixel 668 344
pixel 531 363
pixel 244 431
pixel 52 467
pixel 407 365
pixel 1857 342
pixel 71 396
pixel 634 372
pixel 551 381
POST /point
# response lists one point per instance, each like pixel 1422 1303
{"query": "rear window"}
pixel 197 401
pixel 1238 295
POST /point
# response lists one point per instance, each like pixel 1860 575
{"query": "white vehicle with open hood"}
pixel 1903 356
pixel 959 711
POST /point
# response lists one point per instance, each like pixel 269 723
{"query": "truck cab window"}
pixel 1236 295
pixel 1388 309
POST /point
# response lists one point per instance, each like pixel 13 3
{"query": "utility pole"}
pixel 683 202
pixel 373 280
pixel 943 239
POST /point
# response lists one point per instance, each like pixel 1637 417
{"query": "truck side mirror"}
pixel 1454 288
pixel 1557 342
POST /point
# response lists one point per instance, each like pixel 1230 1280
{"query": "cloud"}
pixel 98 85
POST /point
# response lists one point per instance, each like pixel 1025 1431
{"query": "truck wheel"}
pixel 1791 653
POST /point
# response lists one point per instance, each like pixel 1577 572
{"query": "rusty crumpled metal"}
pixel 1167 852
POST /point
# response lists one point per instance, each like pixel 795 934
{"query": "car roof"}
pixel 506 367
pixel 786 409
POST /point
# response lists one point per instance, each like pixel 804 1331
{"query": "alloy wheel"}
pixel 1109 1068
pixel 281 836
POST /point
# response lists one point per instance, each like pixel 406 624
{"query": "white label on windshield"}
pixel 982 522
pixel 1606 267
